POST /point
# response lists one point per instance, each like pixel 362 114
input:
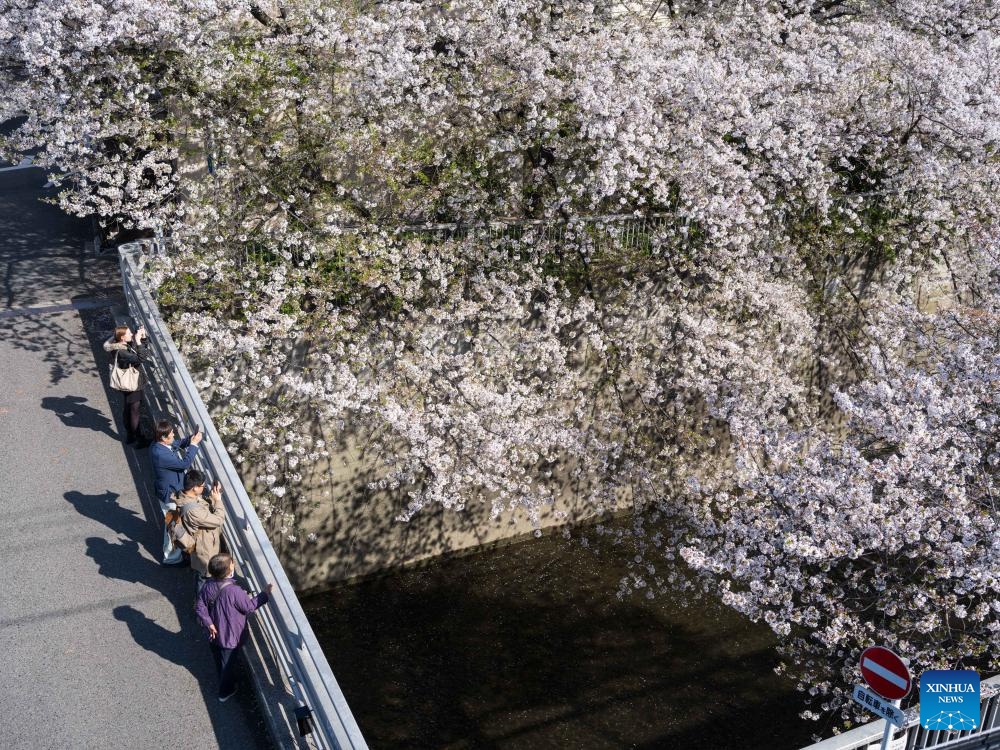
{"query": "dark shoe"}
pixel 141 444
pixel 224 698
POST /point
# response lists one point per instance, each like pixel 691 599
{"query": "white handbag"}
pixel 126 380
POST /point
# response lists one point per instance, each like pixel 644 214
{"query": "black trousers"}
pixel 130 413
pixel 225 665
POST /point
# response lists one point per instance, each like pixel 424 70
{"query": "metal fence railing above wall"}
pixel 914 737
pixel 619 231
pixel 305 671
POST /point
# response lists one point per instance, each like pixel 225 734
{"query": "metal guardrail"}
pixel 988 740
pixel 305 672
pixel 912 736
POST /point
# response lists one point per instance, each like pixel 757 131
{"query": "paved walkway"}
pixel 99 644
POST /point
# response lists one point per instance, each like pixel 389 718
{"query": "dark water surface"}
pixel 527 647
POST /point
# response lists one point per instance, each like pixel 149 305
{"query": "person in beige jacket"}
pixel 202 518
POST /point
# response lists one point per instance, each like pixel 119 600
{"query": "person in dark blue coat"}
pixel 170 458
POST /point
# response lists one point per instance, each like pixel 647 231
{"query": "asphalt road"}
pixel 99 647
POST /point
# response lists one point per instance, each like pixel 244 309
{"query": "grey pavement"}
pixel 99 647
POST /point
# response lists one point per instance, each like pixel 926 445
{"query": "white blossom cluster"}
pixel 884 531
pixel 744 359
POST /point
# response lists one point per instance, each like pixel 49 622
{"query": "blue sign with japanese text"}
pixel 949 699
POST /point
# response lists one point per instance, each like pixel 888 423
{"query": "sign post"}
pixel 887 675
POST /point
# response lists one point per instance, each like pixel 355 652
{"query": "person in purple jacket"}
pixel 222 608
pixel 168 475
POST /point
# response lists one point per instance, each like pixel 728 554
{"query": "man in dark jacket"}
pixel 222 608
pixel 169 466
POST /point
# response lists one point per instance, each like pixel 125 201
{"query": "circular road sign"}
pixel 885 673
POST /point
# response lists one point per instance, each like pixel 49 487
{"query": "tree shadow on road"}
pixel 53 336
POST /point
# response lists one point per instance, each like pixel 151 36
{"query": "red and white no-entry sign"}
pixel 885 673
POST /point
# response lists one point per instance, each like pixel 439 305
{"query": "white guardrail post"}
pixel 305 673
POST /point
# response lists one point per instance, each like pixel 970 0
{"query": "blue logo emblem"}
pixel 949 699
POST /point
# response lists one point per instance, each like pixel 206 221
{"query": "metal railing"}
pixel 988 740
pixel 305 674
pixel 912 736
pixel 596 233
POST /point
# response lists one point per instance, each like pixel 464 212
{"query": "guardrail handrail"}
pixel 989 738
pixel 285 625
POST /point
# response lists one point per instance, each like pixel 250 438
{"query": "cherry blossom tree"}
pixel 740 353
pixel 883 531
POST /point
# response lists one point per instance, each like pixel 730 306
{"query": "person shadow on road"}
pixel 73 411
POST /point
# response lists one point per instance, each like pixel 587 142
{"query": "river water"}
pixel 527 647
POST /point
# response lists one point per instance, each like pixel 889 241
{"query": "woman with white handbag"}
pixel 127 353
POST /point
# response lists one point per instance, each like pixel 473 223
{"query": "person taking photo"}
pixel 127 350
pixel 170 457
